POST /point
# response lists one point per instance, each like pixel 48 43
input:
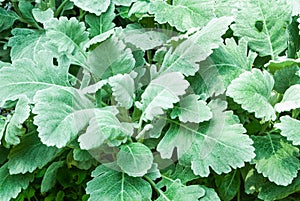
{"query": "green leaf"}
pixel 295 6
pixel 189 14
pixel 26 43
pixel 102 23
pixel 60 114
pixel 272 156
pixel 26 11
pixel 29 155
pixel 228 185
pixel 42 16
pixel 92 6
pixel 15 129
pixel 191 109
pixel 104 127
pixel 12 185
pixel 2 127
pixel 197 47
pixel 49 178
pixel 286 77
pixel 118 186
pixel 161 94
pixel 210 194
pixel 260 23
pixel 123 89
pixel 7 19
pixel 290 128
pixel 110 58
pixel 225 7
pixel 123 2
pixel 253 90
pixel 290 100
pixel 26 78
pixel 135 159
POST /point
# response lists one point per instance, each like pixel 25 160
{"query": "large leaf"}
pixel 191 109
pixel 60 114
pixel 135 159
pixel 189 14
pixel 206 146
pixel 272 156
pixel 104 127
pixel 25 77
pixel 290 100
pixel 161 94
pixel 110 58
pixel 197 47
pixel 12 185
pixel 7 19
pixel 290 128
pixel 93 6
pixel 253 90
pixel 29 155
pixel 118 186
pixel 260 23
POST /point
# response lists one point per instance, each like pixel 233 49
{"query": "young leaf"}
pixel 104 127
pixel 260 23
pixel 93 6
pixel 286 77
pixel 290 100
pixel 110 58
pixel 7 19
pixel 191 109
pixel 195 48
pixel 135 159
pixel 118 186
pixel 210 194
pixel 189 14
pixel 272 155
pixel 49 178
pixel 252 90
pixel 228 185
pixel 290 128
pixel 123 89
pixel 161 94
pixel 42 16
pixel 29 155
pixel 60 114
pixel 12 185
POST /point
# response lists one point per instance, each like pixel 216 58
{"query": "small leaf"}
pixel 253 90
pixel 228 185
pixel 118 186
pixel 42 16
pixel 210 194
pixel 7 19
pixel 290 128
pixel 191 109
pixel 135 159
pixel 161 94
pixel 272 155
pixel 92 6
pixel 286 77
pixel 290 100
pixel 49 178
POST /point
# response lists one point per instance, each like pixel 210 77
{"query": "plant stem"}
pixel 60 8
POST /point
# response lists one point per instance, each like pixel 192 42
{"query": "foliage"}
pixel 149 100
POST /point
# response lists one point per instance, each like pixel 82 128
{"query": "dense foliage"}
pixel 149 100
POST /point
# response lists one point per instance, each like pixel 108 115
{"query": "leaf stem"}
pixel 160 192
pixel 60 8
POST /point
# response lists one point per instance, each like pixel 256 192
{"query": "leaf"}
pixel 191 109
pixel 295 6
pixel 197 47
pixel 225 7
pixel 135 159
pixel 42 16
pixel 15 129
pixel 12 185
pixel 123 2
pixel 123 89
pixel 7 19
pixel 110 58
pixel 228 185
pixel 290 100
pixel 189 14
pixel 253 90
pixel 210 194
pixel 272 155
pixel 29 155
pixel 161 94
pixel 26 78
pixel 104 127
pixel 93 6
pixel 289 128
pixel 260 23
pixel 102 23
pixel 26 8
pixel 60 114
pixel 49 178
pixel 286 77
pixel 118 186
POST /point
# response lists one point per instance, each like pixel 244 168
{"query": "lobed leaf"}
pixel 290 128
pixel 290 100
